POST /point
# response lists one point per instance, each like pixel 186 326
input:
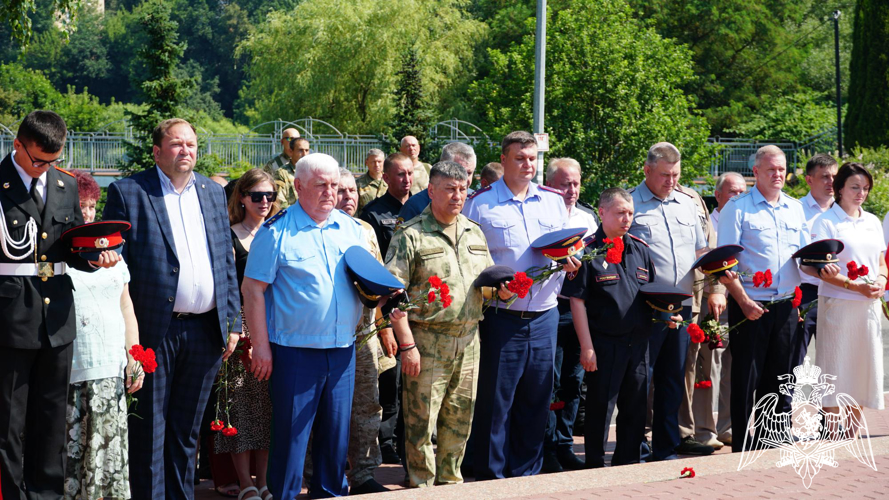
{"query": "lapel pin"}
pixel 61 184
pixel 5 185
pixel 203 186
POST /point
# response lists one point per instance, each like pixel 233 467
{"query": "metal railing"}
pixel 736 155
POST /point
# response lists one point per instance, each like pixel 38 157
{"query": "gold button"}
pixel 14 222
pixel 43 258
pixel 46 301
pixel 44 236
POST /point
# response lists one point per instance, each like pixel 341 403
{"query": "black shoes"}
pixel 569 461
pixel 390 456
pixel 690 446
pixel 551 463
pixel 369 486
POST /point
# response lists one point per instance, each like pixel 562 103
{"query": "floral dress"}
pixel 97 447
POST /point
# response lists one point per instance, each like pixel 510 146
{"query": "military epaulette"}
pixel 632 190
pixel 64 171
pixel 480 191
pixel 551 190
pixel 682 191
pixel 401 224
pixel 640 240
pixel 271 220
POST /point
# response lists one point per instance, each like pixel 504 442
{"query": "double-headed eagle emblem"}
pixel 807 436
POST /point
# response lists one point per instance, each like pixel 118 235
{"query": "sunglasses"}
pixel 257 196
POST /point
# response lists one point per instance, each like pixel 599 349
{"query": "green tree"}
pixel 412 113
pixel 16 14
pixel 339 64
pixel 867 123
pixel 613 89
pixel 163 91
pixel 793 117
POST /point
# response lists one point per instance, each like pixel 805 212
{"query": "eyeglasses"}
pixel 257 196
pixel 43 163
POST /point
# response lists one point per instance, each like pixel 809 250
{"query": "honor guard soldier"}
pixel 38 202
pixel 668 221
pixel 613 325
pixel 439 345
pixel 771 227
pixel 518 343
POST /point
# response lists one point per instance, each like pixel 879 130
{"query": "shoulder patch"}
pixel 271 220
pixel 551 190
pixel 64 171
pixel 480 191
pixel 640 240
pixel 683 191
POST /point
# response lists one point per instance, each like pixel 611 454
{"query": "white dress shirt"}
pixel 863 240
pixel 26 179
pixel 579 218
pixel 812 210
pixel 195 292
pixel 714 220
pixel 886 229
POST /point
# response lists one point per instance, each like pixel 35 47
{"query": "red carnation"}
pixel 614 254
pixel 687 472
pixel 446 301
pixel 229 431
pixel 758 279
pixel 520 284
pixel 431 296
pixel 797 297
pixel 853 271
pixel 435 281
pixel 697 335
pixel 768 278
pixel 149 366
pixel 137 351
pixel 558 405
pixel 445 289
pixel 216 425
pixel 863 271
pixel 704 384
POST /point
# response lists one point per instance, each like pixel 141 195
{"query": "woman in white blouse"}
pixel 848 339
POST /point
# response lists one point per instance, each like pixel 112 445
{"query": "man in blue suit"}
pixel 185 294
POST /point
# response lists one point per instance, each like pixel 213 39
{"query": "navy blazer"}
pixel 150 251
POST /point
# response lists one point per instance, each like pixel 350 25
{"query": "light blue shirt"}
pixel 672 229
pixel 812 210
pixel 770 235
pixel 511 224
pixel 310 301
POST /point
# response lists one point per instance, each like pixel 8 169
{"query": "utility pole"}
pixel 836 53
pixel 539 75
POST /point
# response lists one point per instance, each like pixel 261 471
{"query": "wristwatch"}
pixel 846 283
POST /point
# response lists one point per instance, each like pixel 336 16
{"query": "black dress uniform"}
pixel 37 328
pixel 619 323
pixel 382 215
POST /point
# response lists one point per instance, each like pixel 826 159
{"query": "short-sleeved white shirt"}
pixel 863 240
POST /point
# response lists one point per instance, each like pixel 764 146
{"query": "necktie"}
pixel 38 200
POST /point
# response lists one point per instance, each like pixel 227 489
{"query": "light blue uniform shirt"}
pixel 672 229
pixel 310 301
pixel 769 235
pixel 511 224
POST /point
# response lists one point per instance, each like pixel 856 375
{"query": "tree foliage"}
pixel 412 113
pixel 793 117
pixel 613 90
pixel 337 60
pixel 164 92
pixel 17 15
pixel 867 123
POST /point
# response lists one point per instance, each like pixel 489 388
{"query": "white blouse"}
pixel 863 240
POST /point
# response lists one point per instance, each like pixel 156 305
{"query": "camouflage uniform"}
pixel 421 177
pixel 276 163
pixel 284 182
pixel 442 396
pixel 369 189
pixel 364 427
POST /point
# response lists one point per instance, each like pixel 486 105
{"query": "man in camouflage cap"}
pixel 371 185
pixel 439 346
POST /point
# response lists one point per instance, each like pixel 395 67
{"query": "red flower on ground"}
pixel 229 431
pixel 520 284
pixel 435 281
pixel 216 425
pixel 797 297
pixel 758 279
pixel 696 333
pixel 558 405
pixel 431 296
pixel 687 472
pixel 768 278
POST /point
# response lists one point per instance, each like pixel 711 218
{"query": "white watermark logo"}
pixel 807 436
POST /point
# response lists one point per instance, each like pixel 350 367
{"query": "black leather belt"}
pixel 520 314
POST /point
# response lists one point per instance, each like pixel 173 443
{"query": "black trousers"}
pixel 806 329
pixel 621 380
pixel 33 389
pixel 762 350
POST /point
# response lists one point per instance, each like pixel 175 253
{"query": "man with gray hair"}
pixel 564 174
pixel 302 309
pixel 410 147
pixel 371 185
pixel 667 219
pixel 440 346
pixel 454 152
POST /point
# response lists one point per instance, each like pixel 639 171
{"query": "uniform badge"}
pixel 5 185
pixel 102 243
pixel 61 184
pixel 604 265
pixel 45 270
